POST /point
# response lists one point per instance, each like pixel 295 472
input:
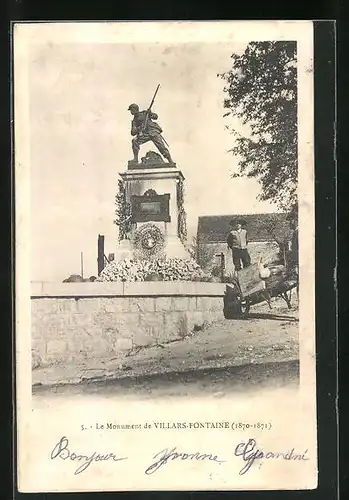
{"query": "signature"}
pixel 164 455
pixel 250 453
pixel 62 451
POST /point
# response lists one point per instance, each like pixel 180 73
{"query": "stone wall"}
pixel 255 249
pixel 72 321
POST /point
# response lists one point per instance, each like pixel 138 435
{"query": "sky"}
pixel 80 140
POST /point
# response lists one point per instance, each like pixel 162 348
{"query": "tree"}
pixel 202 254
pixel 281 235
pixel 261 92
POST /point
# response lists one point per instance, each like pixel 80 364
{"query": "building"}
pixel 267 235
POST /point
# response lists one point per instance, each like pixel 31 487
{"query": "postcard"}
pixel 164 195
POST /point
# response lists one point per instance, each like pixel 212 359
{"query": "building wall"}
pixel 256 251
pixel 73 321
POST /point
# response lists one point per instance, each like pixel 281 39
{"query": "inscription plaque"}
pixel 148 208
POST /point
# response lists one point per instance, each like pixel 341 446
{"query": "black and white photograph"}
pixel 165 256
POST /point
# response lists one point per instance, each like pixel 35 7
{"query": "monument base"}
pixel 123 251
pixel 153 192
pixel 173 248
pixel 150 160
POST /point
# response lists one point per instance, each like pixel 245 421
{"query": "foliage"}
pixel 162 269
pixel 292 216
pixel 261 92
pixel 123 212
pixel 182 216
pixel 281 236
pixel 202 254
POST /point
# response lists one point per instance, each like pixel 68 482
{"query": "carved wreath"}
pixel 148 241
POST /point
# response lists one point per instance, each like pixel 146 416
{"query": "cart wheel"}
pixel 235 309
pixel 229 313
pixel 231 309
pixel 287 298
pixel 244 307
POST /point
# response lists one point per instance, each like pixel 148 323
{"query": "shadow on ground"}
pixel 271 316
pixel 216 382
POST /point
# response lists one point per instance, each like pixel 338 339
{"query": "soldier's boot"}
pixel 135 150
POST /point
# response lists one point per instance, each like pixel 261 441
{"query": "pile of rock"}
pixel 174 269
pixel 77 278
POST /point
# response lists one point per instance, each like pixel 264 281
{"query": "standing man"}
pixel 237 241
pixel 144 129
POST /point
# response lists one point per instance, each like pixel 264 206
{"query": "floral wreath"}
pixel 148 240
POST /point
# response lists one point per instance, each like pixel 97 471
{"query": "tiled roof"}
pixel 215 228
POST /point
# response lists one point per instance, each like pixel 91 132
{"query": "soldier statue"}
pixel 144 129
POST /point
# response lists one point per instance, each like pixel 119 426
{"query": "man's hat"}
pixel 133 106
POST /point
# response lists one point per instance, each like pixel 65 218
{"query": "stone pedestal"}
pixel 155 196
pixel 123 250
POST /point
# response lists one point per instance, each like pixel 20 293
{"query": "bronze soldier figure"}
pixel 144 129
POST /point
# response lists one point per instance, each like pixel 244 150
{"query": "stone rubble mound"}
pixel 174 269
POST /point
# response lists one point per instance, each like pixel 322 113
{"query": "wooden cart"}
pixel 248 288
